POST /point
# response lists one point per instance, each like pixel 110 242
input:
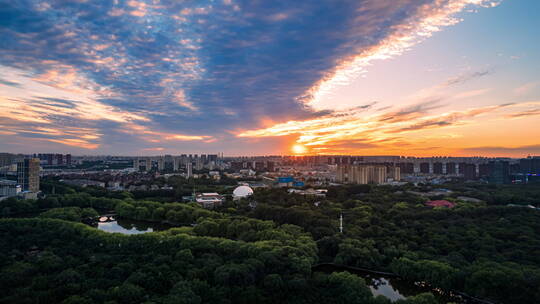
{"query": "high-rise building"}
pixel 358 174
pixel 342 174
pixel 499 172
pixel 212 157
pixel 483 170
pixel 469 171
pixel 424 168
pixel 142 164
pixel 362 174
pixel 346 174
pixel 406 168
pixel 176 163
pixel 451 168
pixel 148 166
pixel 51 159
pixel 161 164
pixel 189 169
pixel 437 168
pixel 393 173
pixel 28 174
pixel 377 174
pixel 461 168
pixel 198 163
pixel 7 159
pixel 530 165
pixel 270 166
pixel 514 168
pixel 59 159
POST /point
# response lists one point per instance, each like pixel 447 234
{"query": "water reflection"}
pixel 129 227
pixel 390 286
pixel 381 286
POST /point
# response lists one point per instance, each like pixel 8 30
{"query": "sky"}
pixel 362 77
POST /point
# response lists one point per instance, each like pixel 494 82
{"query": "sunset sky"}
pixel 365 77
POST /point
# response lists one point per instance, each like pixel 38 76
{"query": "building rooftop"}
pixel 440 203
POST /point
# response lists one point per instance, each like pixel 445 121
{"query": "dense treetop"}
pixel 241 254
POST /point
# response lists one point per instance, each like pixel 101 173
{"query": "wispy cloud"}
pixel 465 77
pixel 471 93
pixel 411 112
pixel 531 112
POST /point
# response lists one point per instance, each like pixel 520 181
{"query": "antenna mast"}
pixel 341 223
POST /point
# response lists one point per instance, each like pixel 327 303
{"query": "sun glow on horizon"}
pixel 298 149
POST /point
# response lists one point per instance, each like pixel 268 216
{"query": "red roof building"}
pixel 440 203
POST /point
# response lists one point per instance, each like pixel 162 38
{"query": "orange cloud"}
pixel 354 131
pixel 42 104
pixel 75 143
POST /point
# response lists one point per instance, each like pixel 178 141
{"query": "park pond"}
pixel 126 226
pixel 396 288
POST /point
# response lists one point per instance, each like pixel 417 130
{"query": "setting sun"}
pixel 299 149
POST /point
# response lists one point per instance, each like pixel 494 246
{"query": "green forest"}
pixel 263 248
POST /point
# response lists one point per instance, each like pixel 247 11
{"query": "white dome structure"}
pixel 241 192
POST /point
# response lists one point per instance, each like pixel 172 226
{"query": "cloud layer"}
pixel 153 74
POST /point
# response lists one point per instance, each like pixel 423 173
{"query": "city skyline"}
pixel 54 155
pixel 414 78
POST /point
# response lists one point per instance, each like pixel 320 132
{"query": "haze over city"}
pixel 413 78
